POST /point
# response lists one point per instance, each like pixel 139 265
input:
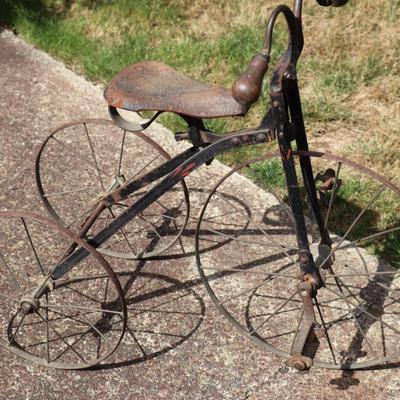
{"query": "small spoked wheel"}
pixel 82 161
pixel 253 278
pixel 78 319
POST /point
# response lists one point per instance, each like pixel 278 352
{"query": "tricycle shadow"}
pixel 163 312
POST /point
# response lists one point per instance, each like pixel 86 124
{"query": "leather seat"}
pixel 153 86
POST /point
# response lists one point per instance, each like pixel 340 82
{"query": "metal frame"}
pixel 283 121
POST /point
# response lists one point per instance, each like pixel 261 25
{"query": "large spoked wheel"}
pixel 81 161
pixel 80 318
pixel 253 278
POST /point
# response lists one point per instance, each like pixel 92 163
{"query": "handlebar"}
pixel 247 87
pixel 334 3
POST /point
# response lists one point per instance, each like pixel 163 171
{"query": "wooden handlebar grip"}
pixel 247 88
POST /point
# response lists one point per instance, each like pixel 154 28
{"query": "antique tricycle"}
pixel 308 285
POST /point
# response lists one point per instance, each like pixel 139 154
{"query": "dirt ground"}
pixel 196 357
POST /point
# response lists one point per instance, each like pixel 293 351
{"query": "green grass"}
pixel 268 173
pixel 357 193
pixel 349 71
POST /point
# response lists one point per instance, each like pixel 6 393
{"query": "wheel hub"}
pixel 29 304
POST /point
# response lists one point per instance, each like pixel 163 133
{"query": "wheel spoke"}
pixel 333 196
pixel 32 246
pixel 150 310
pixel 52 341
pixel 82 335
pixel 364 311
pixel 222 215
pixel 63 339
pixel 269 308
pixel 387 288
pixel 7 300
pixel 245 241
pixel 47 331
pixel 281 306
pixel 288 310
pixel 84 159
pixel 83 295
pixel 369 237
pixel 94 158
pixel 341 284
pixel 60 174
pixel 124 235
pixel 325 329
pixel 145 166
pixel 56 324
pixel 78 190
pixel 75 307
pixel 372 201
pixel 377 273
pixel 358 323
pixel 121 152
pixel 251 289
pixel 152 227
pixel 249 219
pixel 94 310
pixel 72 222
pixel 17 329
pixel 135 339
pixel 11 272
pixel 249 272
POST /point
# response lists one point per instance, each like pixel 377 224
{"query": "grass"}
pixel 349 71
pixel 358 193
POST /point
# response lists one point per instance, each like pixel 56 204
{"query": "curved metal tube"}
pixel 291 23
pixel 130 126
pixel 297 8
pixel 325 3
pixel 294 47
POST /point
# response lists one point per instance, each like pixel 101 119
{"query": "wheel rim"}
pixel 80 320
pixel 261 302
pixel 77 163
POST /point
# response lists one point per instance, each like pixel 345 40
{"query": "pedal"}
pixel 179 136
pixel 299 362
pixel 327 179
pixel 329 182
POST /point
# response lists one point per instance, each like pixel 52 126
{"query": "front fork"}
pixel 310 277
pixel 309 271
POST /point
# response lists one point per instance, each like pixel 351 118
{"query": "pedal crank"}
pixel 305 342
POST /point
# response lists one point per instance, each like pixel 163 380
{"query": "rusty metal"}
pixel 151 85
pixel 319 335
pixel 56 206
pixel 36 295
pixel 302 340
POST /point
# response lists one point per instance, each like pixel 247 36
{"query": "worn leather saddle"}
pixel 154 86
